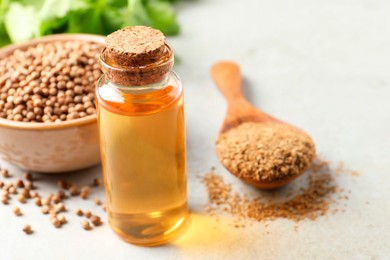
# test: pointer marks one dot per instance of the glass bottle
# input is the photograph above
(142, 141)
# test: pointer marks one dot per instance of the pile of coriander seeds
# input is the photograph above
(49, 82)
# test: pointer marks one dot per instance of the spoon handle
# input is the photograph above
(226, 75)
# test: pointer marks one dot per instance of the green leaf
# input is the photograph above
(4, 4)
(53, 9)
(37, 4)
(54, 25)
(136, 14)
(79, 5)
(117, 3)
(163, 16)
(112, 19)
(21, 22)
(4, 39)
(85, 21)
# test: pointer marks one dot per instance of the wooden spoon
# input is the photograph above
(227, 77)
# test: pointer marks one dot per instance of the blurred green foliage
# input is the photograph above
(21, 20)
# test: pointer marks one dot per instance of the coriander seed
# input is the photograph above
(45, 209)
(78, 212)
(98, 202)
(29, 185)
(56, 198)
(56, 223)
(34, 194)
(73, 190)
(5, 173)
(62, 184)
(19, 183)
(13, 190)
(4, 200)
(62, 219)
(95, 220)
(38, 201)
(85, 192)
(85, 224)
(87, 213)
(28, 176)
(21, 198)
(60, 207)
(27, 229)
(96, 182)
(16, 211)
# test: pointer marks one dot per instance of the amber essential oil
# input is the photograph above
(144, 162)
(142, 142)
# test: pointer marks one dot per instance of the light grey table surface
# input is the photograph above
(321, 65)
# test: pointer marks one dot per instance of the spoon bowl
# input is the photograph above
(254, 146)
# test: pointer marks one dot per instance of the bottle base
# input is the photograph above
(149, 230)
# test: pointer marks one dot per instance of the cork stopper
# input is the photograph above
(135, 46)
(136, 56)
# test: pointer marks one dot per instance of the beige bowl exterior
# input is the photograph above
(50, 147)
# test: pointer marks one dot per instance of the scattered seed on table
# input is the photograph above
(4, 200)
(16, 211)
(34, 194)
(19, 183)
(84, 192)
(60, 207)
(73, 190)
(29, 185)
(56, 198)
(45, 209)
(5, 173)
(62, 219)
(26, 193)
(95, 220)
(62, 184)
(8, 186)
(85, 224)
(98, 202)
(47, 200)
(79, 212)
(21, 198)
(54, 220)
(84, 195)
(96, 182)
(27, 229)
(28, 176)
(87, 214)
(38, 201)
(61, 194)
(13, 190)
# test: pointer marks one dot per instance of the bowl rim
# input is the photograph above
(5, 51)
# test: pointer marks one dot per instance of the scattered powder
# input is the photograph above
(309, 202)
(342, 170)
(265, 152)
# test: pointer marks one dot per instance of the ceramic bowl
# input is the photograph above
(50, 147)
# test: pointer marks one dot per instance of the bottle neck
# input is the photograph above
(142, 89)
(149, 74)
